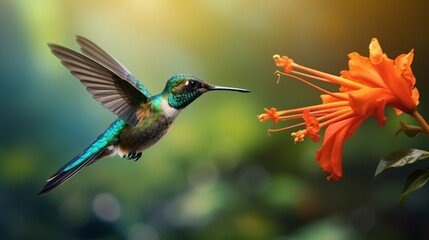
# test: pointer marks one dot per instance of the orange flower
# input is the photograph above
(365, 90)
(270, 114)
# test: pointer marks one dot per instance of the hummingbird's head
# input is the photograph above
(182, 89)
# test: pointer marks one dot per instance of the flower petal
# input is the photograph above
(371, 102)
(362, 70)
(397, 76)
(329, 156)
(403, 64)
(375, 52)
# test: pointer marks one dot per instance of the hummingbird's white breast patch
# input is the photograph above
(169, 111)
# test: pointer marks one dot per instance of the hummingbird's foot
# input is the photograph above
(133, 155)
(137, 157)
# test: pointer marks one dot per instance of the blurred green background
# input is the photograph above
(217, 174)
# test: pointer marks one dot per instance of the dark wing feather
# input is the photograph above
(98, 54)
(115, 93)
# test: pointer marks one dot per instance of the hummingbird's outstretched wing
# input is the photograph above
(120, 95)
(98, 54)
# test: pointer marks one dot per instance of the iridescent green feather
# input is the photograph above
(104, 140)
(180, 101)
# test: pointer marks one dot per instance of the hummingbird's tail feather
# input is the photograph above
(65, 173)
(101, 147)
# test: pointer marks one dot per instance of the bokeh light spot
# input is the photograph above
(141, 231)
(106, 207)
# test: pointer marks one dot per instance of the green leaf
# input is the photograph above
(409, 130)
(417, 179)
(400, 159)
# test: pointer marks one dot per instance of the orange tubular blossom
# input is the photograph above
(370, 84)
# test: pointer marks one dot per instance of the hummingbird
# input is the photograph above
(142, 118)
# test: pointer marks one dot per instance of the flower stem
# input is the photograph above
(422, 122)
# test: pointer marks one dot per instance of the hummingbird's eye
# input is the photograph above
(192, 83)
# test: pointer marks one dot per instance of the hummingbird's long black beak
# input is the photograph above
(212, 88)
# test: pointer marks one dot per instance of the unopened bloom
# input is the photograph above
(370, 84)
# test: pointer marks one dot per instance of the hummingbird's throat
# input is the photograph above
(179, 101)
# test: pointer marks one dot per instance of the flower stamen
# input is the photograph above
(312, 85)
